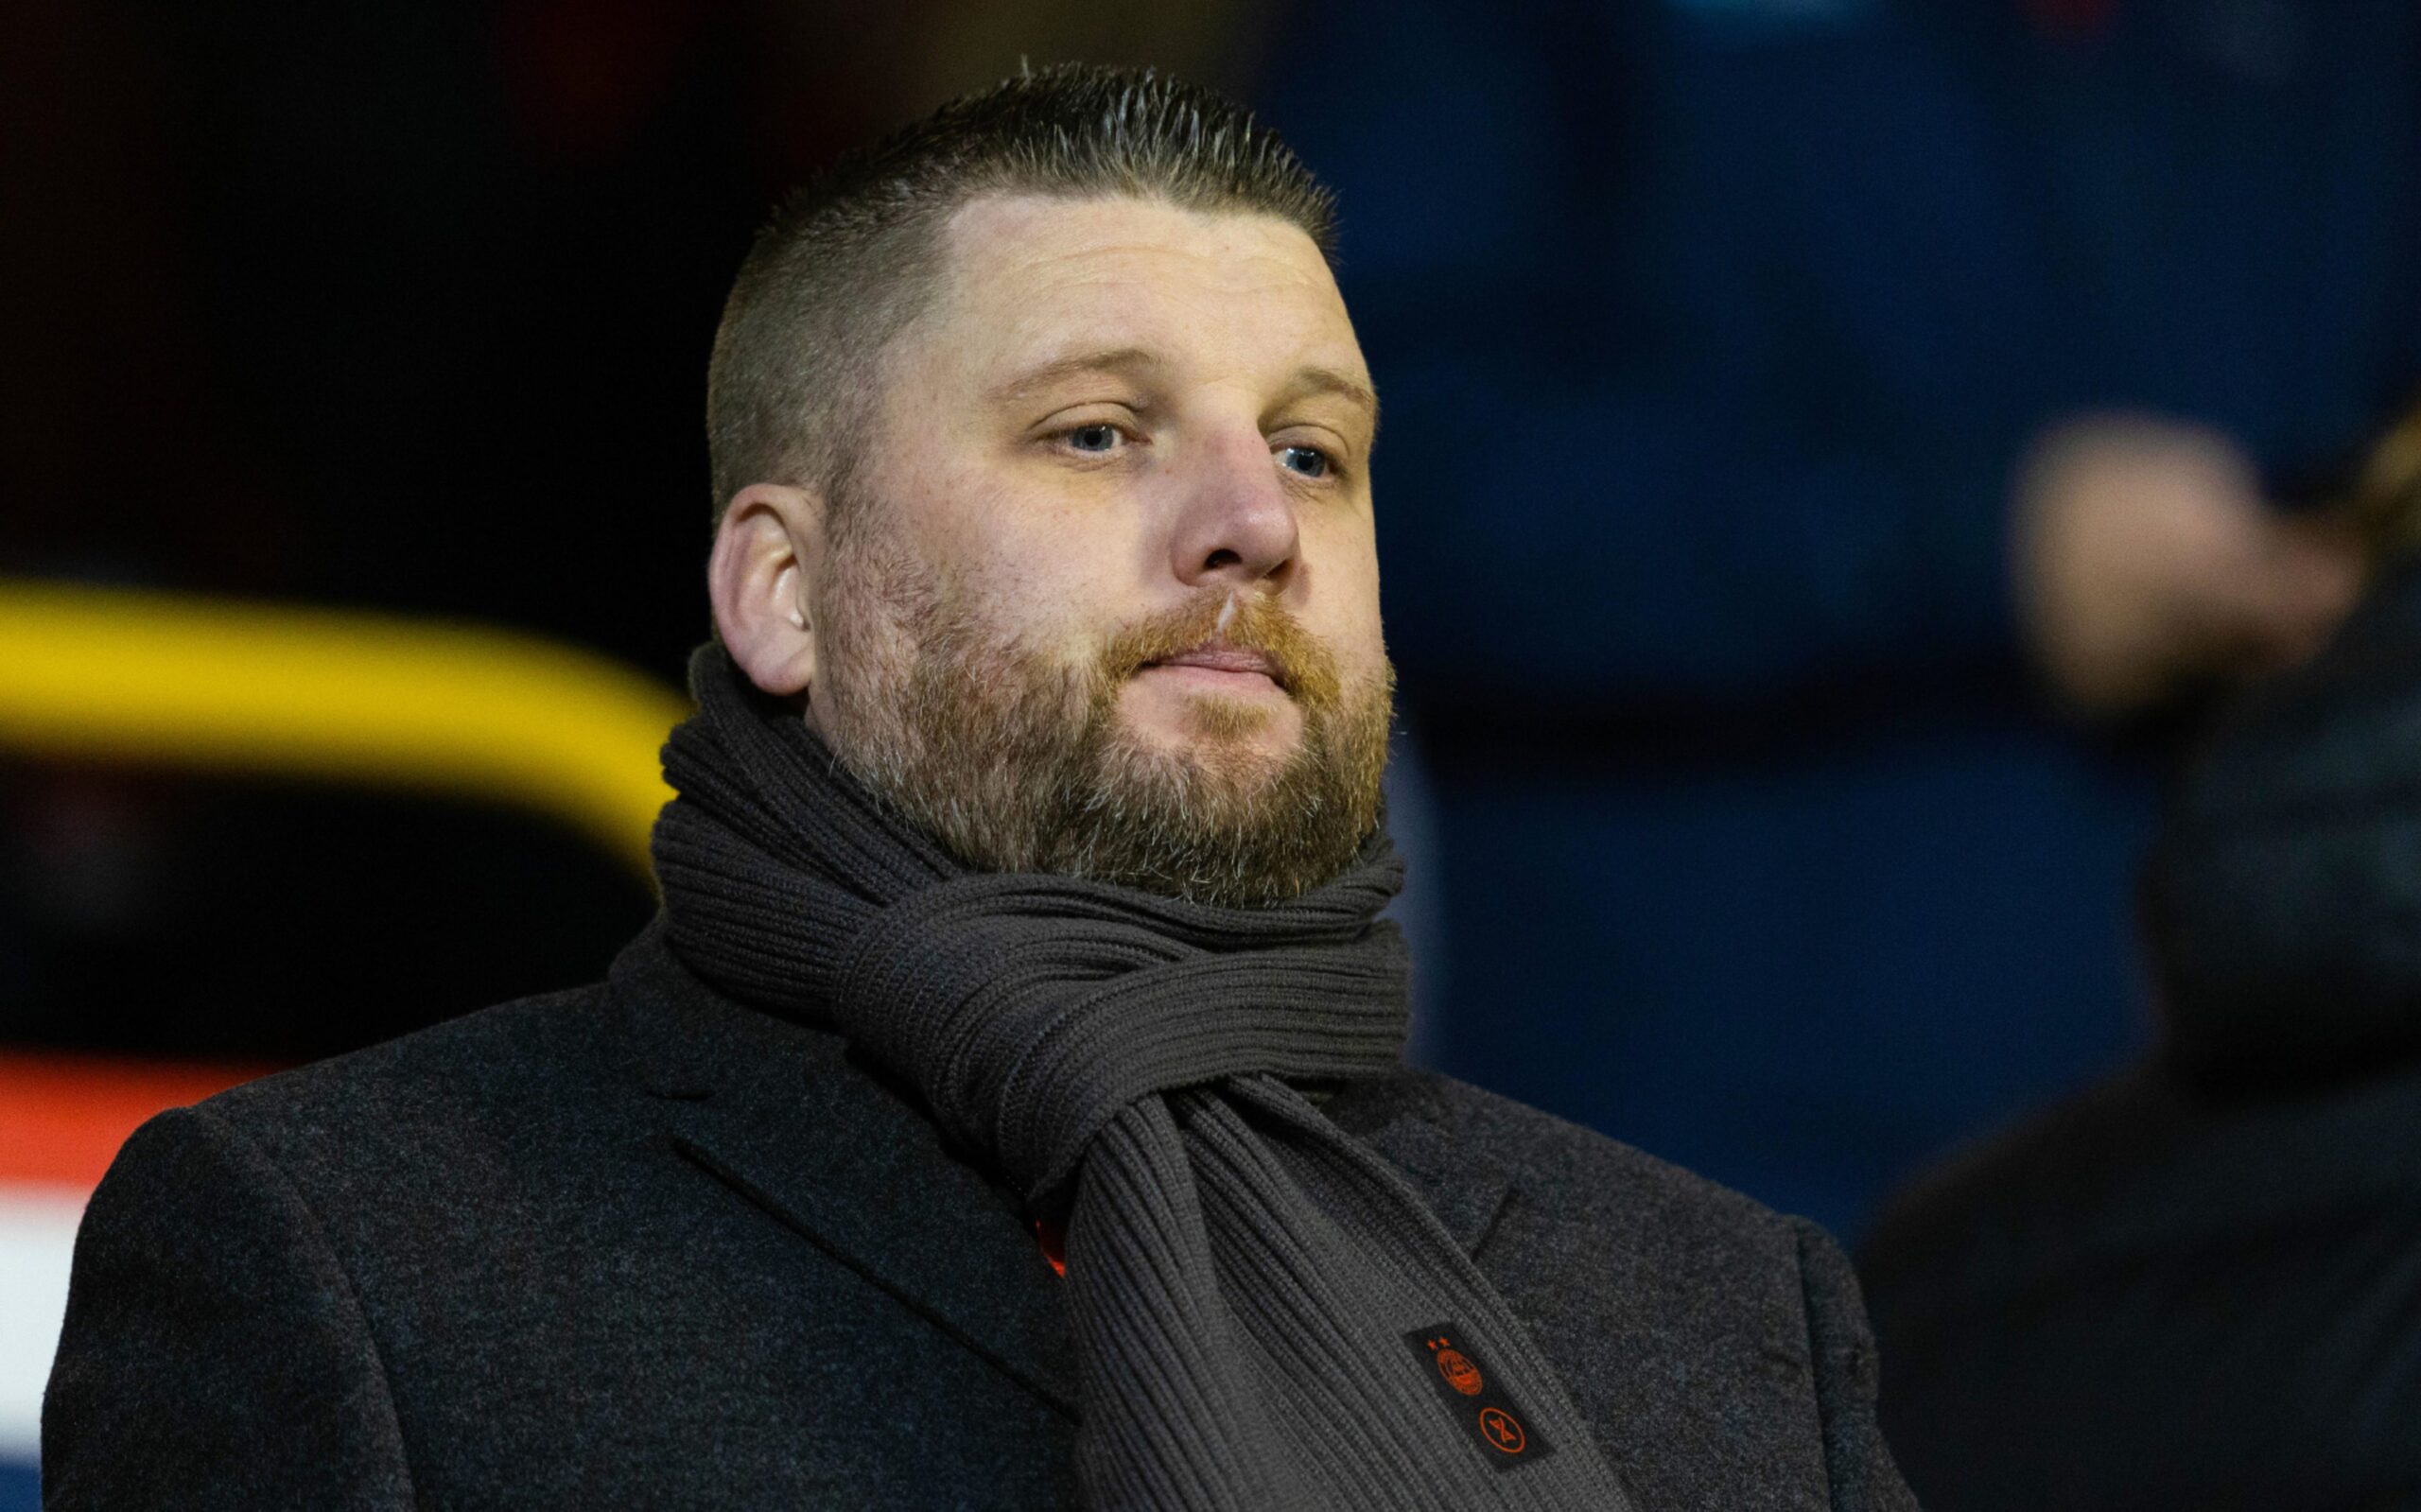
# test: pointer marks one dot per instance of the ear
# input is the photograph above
(768, 546)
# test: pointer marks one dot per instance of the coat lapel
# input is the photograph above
(1405, 1121)
(786, 1118)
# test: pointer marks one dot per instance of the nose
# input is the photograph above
(1236, 527)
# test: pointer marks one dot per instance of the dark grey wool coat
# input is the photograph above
(636, 1245)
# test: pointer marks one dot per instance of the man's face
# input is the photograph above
(1102, 593)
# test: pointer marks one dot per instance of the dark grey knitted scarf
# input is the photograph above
(1266, 1316)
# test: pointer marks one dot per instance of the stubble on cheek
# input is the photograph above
(941, 712)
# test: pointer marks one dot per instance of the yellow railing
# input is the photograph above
(112, 674)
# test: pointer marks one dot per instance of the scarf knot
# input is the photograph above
(1030, 1009)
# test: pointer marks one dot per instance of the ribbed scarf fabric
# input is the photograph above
(1266, 1316)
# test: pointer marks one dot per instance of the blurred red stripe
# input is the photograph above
(63, 1117)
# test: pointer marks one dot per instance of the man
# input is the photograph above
(1019, 918)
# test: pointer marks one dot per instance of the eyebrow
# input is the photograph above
(1123, 359)
(1344, 385)
(1132, 360)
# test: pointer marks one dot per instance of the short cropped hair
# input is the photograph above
(848, 260)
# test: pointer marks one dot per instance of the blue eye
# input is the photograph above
(1096, 437)
(1306, 461)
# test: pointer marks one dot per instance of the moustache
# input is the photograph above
(1299, 663)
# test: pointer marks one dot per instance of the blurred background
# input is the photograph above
(1837, 453)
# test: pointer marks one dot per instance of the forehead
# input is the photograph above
(1026, 276)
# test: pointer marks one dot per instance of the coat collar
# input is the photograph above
(787, 1118)
(783, 1116)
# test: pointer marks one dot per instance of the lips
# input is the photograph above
(1217, 658)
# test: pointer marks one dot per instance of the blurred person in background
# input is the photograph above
(1020, 917)
(2199, 1284)
(1821, 433)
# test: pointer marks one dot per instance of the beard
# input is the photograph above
(1019, 761)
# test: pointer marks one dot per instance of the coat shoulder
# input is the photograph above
(477, 1053)
(485, 1082)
